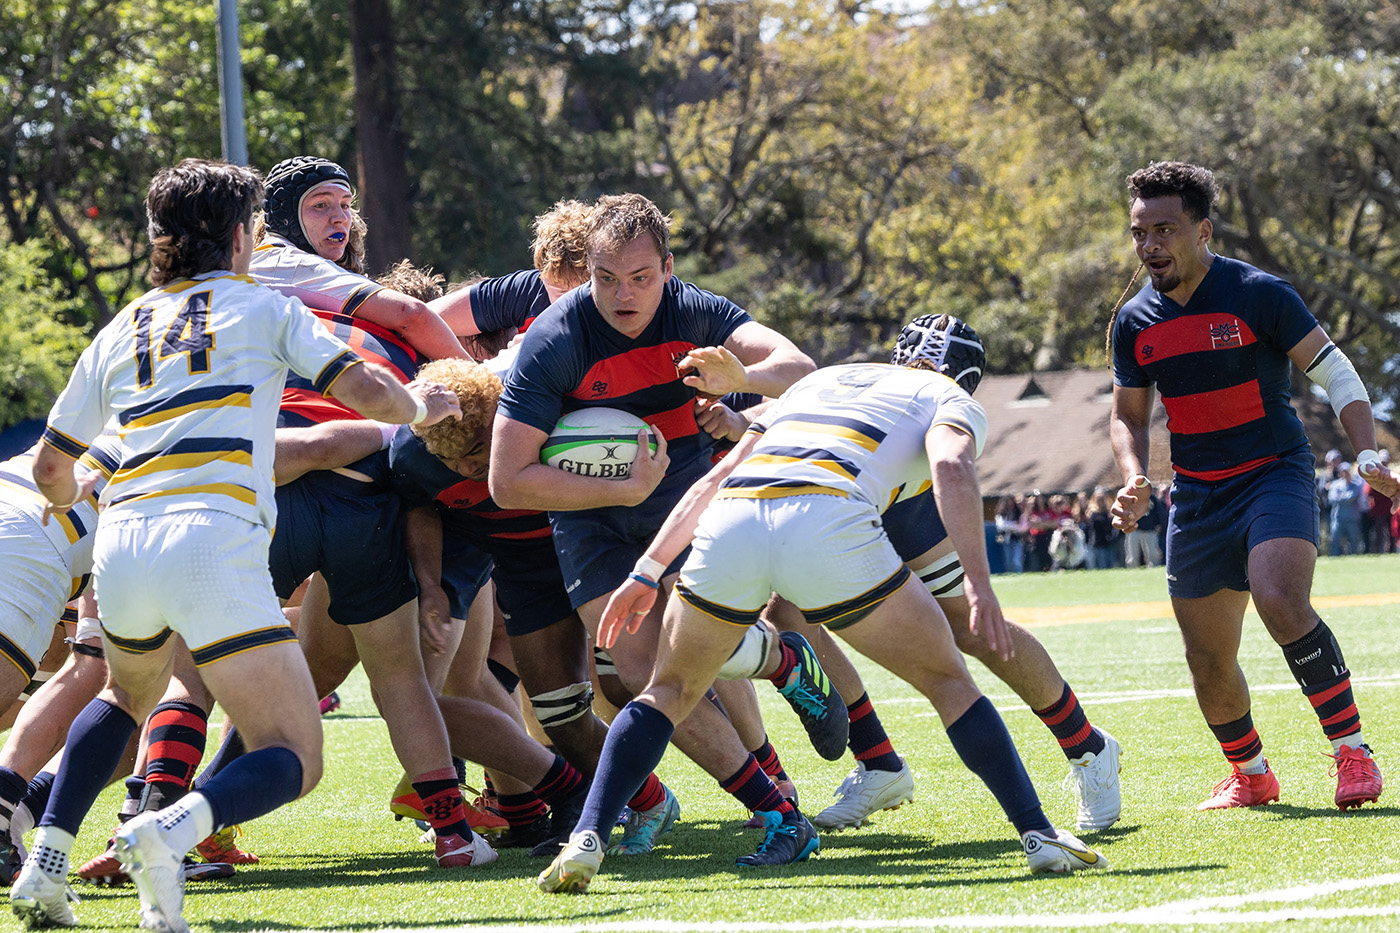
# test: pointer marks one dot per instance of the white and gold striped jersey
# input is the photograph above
(193, 372)
(320, 284)
(69, 531)
(855, 431)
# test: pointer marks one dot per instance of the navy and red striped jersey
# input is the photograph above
(513, 300)
(465, 505)
(1221, 366)
(572, 358)
(303, 404)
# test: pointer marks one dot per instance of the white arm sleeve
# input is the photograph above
(1333, 371)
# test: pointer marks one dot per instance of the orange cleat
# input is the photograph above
(482, 819)
(1358, 777)
(222, 846)
(404, 804)
(1243, 790)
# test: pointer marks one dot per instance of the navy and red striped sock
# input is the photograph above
(520, 810)
(442, 802)
(652, 793)
(1241, 744)
(868, 740)
(755, 789)
(1317, 664)
(560, 782)
(1336, 710)
(787, 660)
(175, 745)
(768, 760)
(1066, 720)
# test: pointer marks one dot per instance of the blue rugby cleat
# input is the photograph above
(810, 693)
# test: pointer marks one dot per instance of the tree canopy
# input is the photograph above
(835, 167)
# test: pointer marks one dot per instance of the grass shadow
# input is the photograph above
(1289, 811)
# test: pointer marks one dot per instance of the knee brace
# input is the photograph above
(943, 576)
(747, 659)
(603, 662)
(557, 707)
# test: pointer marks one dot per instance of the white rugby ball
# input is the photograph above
(596, 442)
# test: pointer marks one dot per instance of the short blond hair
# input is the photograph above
(619, 219)
(561, 243)
(478, 389)
(405, 277)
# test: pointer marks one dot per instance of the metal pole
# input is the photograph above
(235, 135)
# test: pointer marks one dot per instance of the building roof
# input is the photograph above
(1048, 431)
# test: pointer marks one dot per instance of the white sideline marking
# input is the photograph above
(1215, 911)
(1010, 704)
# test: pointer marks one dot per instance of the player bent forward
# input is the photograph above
(795, 510)
(192, 372)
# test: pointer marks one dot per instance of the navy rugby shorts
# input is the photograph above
(1212, 527)
(914, 526)
(353, 533)
(598, 548)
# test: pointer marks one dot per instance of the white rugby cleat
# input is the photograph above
(39, 901)
(1095, 779)
(156, 869)
(865, 793)
(1059, 853)
(574, 867)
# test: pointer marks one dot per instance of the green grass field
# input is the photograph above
(336, 861)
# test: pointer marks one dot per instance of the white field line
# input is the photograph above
(1217, 911)
(1007, 704)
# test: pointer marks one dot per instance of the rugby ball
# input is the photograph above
(598, 442)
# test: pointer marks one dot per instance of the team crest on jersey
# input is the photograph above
(1225, 334)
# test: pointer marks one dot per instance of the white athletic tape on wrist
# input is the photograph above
(420, 411)
(1368, 457)
(648, 567)
(1333, 371)
(747, 660)
(386, 435)
(88, 627)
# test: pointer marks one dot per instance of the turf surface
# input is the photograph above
(337, 861)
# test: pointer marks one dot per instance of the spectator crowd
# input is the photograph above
(1039, 532)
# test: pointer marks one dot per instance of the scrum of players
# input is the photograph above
(497, 604)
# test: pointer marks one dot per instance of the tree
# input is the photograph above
(1300, 130)
(37, 346)
(379, 118)
(99, 95)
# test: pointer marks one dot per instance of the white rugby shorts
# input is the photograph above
(826, 554)
(34, 586)
(200, 573)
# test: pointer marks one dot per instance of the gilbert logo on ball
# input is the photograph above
(596, 442)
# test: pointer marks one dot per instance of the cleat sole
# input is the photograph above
(1356, 804)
